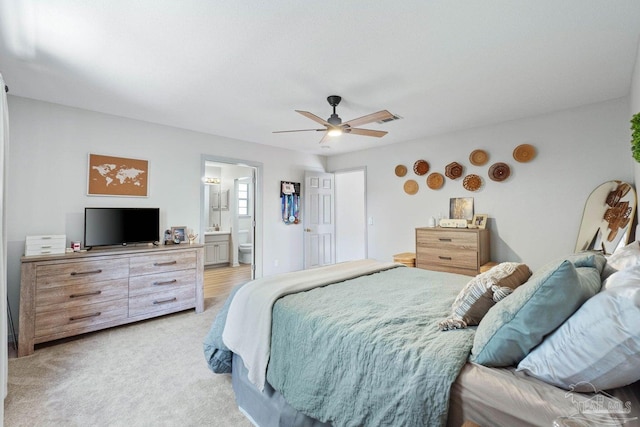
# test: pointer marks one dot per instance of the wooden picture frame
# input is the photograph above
(479, 221)
(180, 232)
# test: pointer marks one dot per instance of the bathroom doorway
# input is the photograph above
(230, 212)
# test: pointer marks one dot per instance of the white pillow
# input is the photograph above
(625, 257)
(598, 347)
(628, 276)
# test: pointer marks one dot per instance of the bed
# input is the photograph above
(371, 343)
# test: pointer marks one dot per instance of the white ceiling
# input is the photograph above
(239, 68)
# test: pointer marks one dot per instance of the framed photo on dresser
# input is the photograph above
(479, 221)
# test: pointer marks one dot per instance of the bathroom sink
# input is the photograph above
(208, 233)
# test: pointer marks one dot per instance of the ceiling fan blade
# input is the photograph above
(299, 130)
(367, 132)
(369, 118)
(325, 138)
(314, 117)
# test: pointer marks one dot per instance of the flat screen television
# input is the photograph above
(120, 226)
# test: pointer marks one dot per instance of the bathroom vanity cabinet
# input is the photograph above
(216, 249)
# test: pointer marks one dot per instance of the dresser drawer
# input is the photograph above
(80, 318)
(150, 283)
(73, 273)
(166, 301)
(446, 259)
(66, 297)
(447, 239)
(159, 263)
(460, 251)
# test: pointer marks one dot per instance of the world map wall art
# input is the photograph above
(117, 176)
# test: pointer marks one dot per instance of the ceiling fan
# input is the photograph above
(333, 126)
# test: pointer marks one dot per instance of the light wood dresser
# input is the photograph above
(70, 294)
(454, 250)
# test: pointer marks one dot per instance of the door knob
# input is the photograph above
(308, 230)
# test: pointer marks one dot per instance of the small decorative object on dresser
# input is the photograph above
(179, 234)
(454, 250)
(479, 221)
(461, 208)
(45, 245)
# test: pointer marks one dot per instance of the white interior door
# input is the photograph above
(318, 219)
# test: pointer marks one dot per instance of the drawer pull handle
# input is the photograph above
(160, 264)
(168, 282)
(163, 301)
(84, 273)
(442, 239)
(448, 258)
(45, 246)
(86, 316)
(86, 294)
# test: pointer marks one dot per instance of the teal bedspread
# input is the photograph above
(369, 351)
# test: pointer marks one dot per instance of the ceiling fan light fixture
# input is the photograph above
(334, 126)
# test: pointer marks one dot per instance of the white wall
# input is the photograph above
(634, 104)
(351, 227)
(48, 177)
(534, 216)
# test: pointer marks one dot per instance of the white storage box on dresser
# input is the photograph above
(44, 245)
(70, 294)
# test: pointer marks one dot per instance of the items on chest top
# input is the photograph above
(478, 221)
(453, 223)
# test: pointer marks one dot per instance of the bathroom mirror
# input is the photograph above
(219, 200)
(607, 218)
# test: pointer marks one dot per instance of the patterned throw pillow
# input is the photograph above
(482, 292)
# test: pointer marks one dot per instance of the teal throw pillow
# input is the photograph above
(515, 325)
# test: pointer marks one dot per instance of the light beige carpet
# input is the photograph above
(150, 373)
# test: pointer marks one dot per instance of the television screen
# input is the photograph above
(120, 226)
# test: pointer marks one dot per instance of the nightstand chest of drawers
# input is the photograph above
(71, 294)
(453, 250)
